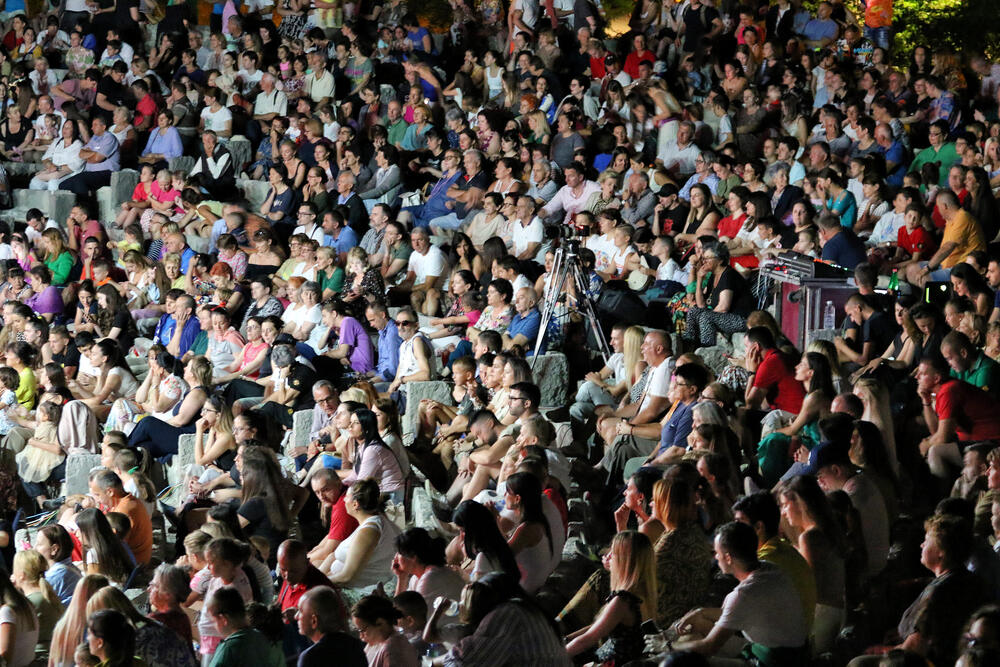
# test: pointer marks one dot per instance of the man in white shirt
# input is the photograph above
(571, 197)
(319, 84)
(270, 104)
(678, 156)
(42, 78)
(527, 231)
(249, 76)
(425, 272)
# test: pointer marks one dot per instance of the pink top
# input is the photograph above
(250, 354)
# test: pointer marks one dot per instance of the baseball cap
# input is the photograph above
(667, 190)
(825, 454)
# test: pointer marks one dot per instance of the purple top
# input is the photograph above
(47, 301)
(362, 352)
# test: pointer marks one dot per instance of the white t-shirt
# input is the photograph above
(425, 266)
(24, 643)
(302, 314)
(603, 248)
(522, 237)
(659, 382)
(216, 121)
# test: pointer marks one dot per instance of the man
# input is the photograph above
(760, 511)
(822, 30)
(380, 216)
(788, 148)
(288, 393)
(873, 328)
(262, 302)
(241, 644)
(101, 158)
(354, 348)
(639, 201)
(669, 214)
(685, 391)
(523, 329)
(425, 272)
(389, 342)
(336, 234)
(678, 155)
(940, 150)
(178, 328)
(395, 124)
(465, 194)
(175, 244)
(322, 431)
(572, 197)
(297, 574)
(145, 106)
(348, 198)
(835, 472)
(214, 171)
(249, 77)
(840, 245)
(527, 231)
(894, 154)
(320, 84)
(773, 378)
(332, 494)
(963, 235)
(993, 277)
(416, 362)
(700, 24)
(270, 103)
(78, 94)
(508, 268)
(956, 413)
(764, 606)
(111, 92)
(321, 620)
(970, 364)
(107, 487)
(438, 203)
(656, 351)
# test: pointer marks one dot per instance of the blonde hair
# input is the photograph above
(201, 369)
(68, 632)
(632, 348)
(634, 569)
(541, 123)
(356, 394)
(58, 241)
(356, 253)
(32, 565)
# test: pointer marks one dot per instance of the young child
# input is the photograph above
(8, 398)
(913, 241)
(113, 442)
(132, 241)
(121, 525)
(131, 210)
(135, 482)
(413, 608)
(225, 558)
(84, 658)
(164, 197)
(43, 454)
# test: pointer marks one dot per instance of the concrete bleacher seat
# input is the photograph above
(56, 205)
(551, 374)
(416, 391)
(110, 197)
(254, 191)
(301, 423)
(78, 467)
(183, 163)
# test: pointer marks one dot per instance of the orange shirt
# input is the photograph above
(140, 536)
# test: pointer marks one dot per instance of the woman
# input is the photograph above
(265, 508)
(967, 282)
(19, 626)
(105, 552)
(722, 306)
(835, 198)
(265, 258)
(114, 320)
(169, 589)
(214, 444)
(483, 545)
(682, 553)
(415, 138)
(419, 565)
(293, 15)
(225, 344)
(385, 185)
(164, 142)
(251, 356)
(70, 629)
(814, 372)
(616, 631)
(282, 200)
(531, 538)
(16, 135)
(121, 129)
(111, 638)
(61, 159)
(498, 313)
(983, 205)
(315, 190)
(373, 459)
(56, 256)
(159, 436)
(375, 618)
(55, 545)
(389, 428)
(874, 204)
(822, 543)
(29, 568)
(45, 299)
(749, 125)
(363, 284)
(159, 392)
(901, 357)
(702, 219)
(115, 379)
(364, 559)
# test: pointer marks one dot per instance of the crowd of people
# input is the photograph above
(714, 490)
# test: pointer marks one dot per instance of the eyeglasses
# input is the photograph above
(328, 399)
(403, 323)
(518, 398)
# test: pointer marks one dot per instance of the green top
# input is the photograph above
(335, 281)
(396, 131)
(200, 344)
(247, 647)
(946, 155)
(984, 373)
(60, 267)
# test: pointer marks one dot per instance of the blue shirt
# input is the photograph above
(712, 182)
(675, 432)
(389, 343)
(106, 145)
(346, 240)
(897, 154)
(526, 325)
(186, 256)
(845, 249)
(63, 577)
(168, 145)
(165, 331)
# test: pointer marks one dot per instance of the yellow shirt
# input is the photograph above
(966, 232)
(26, 390)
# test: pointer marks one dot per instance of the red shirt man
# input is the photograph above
(973, 411)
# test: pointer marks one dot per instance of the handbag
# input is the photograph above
(415, 198)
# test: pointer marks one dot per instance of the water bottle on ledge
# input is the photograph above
(829, 315)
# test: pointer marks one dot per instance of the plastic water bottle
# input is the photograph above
(829, 315)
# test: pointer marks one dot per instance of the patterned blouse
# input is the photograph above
(496, 320)
(683, 571)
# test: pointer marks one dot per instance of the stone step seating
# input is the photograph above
(55, 205)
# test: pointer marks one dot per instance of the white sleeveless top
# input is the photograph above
(378, 569)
